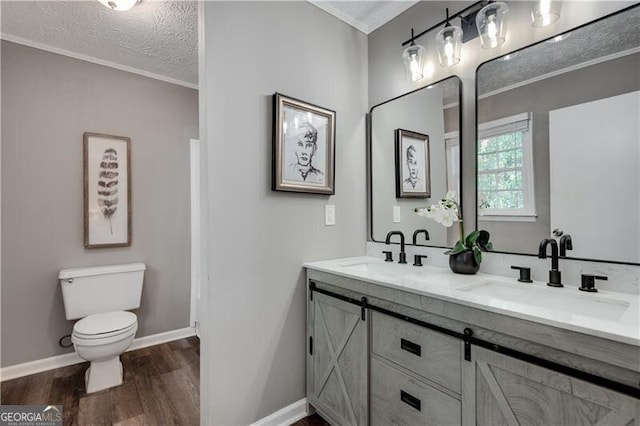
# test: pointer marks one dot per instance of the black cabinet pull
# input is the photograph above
(411, 347)
(410, 400)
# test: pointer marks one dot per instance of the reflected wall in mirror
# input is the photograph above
(432, 111)
(558, 150)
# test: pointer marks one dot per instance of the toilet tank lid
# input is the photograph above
(100, 270)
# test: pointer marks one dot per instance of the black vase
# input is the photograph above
(463, 263)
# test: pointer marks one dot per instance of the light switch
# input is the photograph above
(396, 214)
(329, 215)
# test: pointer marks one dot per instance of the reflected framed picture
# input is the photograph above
(303, 147)
(413, 171)
(107, 190)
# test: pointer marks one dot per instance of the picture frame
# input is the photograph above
(303, 147)
(413, 169)
(107, 190)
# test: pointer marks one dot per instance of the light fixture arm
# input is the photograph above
(470, 12)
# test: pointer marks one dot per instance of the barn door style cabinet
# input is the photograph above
(380, 356)
(507, 391)
(337, 361)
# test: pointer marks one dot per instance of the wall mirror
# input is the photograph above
(414, 159)
(558, 149)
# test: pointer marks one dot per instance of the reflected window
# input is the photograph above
(505, 168)
(452, 153)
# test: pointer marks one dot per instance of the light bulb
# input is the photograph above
(413, 59)
(448, 51)
(545, 8)
(492, 30)
(545, 12)
(491, 22)
(119, 5)
(416, 73)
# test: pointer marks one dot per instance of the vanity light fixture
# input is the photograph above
(491, 21)
(413, 59)
(119, 5)
(487, 19)
(449, 42)
(545, 12)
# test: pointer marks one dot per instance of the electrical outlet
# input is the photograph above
(396, 214)
(329, 215)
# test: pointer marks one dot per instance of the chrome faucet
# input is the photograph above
(418, 232)
(403, 255)
(555, 276)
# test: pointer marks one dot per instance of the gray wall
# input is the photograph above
(254, 353)
(386, 75)
(587, 84)
(48, 101)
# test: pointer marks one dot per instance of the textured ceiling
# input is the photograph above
(158, 37)
(618, 33)
(364, 15)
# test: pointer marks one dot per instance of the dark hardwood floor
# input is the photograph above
(161, 387)
(312, 420)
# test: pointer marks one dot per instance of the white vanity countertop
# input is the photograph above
(614, 316)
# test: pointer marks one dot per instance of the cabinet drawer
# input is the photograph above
(397, 399)
(427, 353)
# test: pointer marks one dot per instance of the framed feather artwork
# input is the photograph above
(107, 191)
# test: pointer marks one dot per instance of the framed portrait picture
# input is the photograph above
(413, 171)
(107, 191)
(303, 146)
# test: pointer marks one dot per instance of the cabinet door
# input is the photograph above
(337, 368)
(500, 390)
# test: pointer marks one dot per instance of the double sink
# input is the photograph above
(605, 312)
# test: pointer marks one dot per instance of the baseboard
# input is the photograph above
(284, 417)
(38, 366)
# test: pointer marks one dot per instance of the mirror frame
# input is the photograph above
(586, 24)
(369, 141)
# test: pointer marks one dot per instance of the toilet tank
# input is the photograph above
(94, 290)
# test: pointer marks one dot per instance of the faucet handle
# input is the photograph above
(388, 256)
(417, 259)
(525, 274)
(589, 282)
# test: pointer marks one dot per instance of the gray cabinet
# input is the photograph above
(415, 374)
(405, 365)
(500, 390)
(398, 398)
(337, 365)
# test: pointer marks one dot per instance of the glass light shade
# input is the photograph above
(413, 60)
(120, 5)
(545, 12)
(449, 42)
(491, 21)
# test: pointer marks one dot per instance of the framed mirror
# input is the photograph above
(558, 148)
(414, 159)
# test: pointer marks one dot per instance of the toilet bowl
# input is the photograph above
(100, 298)
(100, 339)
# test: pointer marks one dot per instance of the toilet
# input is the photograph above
(100, 297)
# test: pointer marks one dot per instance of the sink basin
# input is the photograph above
(386, 269)
(562, 300)
(392, 270)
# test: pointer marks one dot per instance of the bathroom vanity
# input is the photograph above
(397, 344)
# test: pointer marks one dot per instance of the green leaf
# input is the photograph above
(458, 248)
(477, 254)
(471, 238)
(483, 240)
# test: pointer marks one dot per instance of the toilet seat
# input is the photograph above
(108, 326)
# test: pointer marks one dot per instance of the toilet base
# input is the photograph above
(103, 375)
